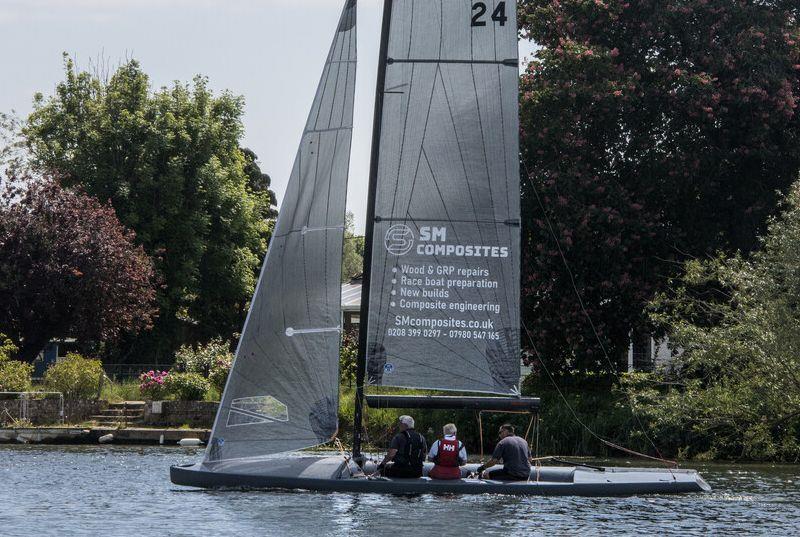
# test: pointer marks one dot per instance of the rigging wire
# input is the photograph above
(610, 362)
(580, 422)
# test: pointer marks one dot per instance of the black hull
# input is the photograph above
(553, 481)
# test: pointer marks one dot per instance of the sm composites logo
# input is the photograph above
(399, 239)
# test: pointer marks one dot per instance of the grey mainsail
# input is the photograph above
(444, 289)
(283, 390)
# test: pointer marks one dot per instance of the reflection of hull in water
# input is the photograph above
(333, 474)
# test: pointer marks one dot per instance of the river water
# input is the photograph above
(124, 491)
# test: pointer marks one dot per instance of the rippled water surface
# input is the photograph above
(119, 491)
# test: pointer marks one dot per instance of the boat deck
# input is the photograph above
(334, 474)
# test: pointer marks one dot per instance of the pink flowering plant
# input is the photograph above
(152, 384)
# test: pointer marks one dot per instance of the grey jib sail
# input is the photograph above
(283, 390)
(444, 293)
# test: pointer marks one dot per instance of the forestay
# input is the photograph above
(283, 392)
(444, 293)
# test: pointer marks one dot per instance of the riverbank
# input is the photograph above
(601, 408)
(81, 435)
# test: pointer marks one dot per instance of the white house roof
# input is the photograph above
(351, 295)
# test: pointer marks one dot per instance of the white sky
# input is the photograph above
(270, 51)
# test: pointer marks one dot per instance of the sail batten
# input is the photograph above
(444, 282)
(282, 392)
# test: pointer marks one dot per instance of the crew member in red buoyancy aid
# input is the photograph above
(448, 454)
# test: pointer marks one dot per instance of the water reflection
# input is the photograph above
(117, 491)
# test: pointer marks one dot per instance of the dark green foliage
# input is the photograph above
(171, 164)
(652, 131)
(735, 389)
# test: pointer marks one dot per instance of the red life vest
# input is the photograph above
(446, 466)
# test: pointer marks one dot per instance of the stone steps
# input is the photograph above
(129, 413)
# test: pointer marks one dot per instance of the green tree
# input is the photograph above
(735, 389)
(171, 164)
(257, 180)
(652, 131)
(353, 253)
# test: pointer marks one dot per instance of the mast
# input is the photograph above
(361, 365)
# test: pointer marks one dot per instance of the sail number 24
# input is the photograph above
(479, 13)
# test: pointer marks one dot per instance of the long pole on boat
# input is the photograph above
(361, 366)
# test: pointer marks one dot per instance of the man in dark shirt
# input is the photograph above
(406, 453)
(514, 453)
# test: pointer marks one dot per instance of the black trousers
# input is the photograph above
(503, 475)
(394, 470)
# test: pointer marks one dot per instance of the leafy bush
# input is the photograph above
(15, 376)
(219, 371)
(75, 376)
(212, 361)
(7, 348)
(152, 384)
(186, 386)
(348, 353)
(203, 358)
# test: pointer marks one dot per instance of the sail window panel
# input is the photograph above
(455, 147)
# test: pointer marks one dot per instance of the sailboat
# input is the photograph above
(441, 282)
